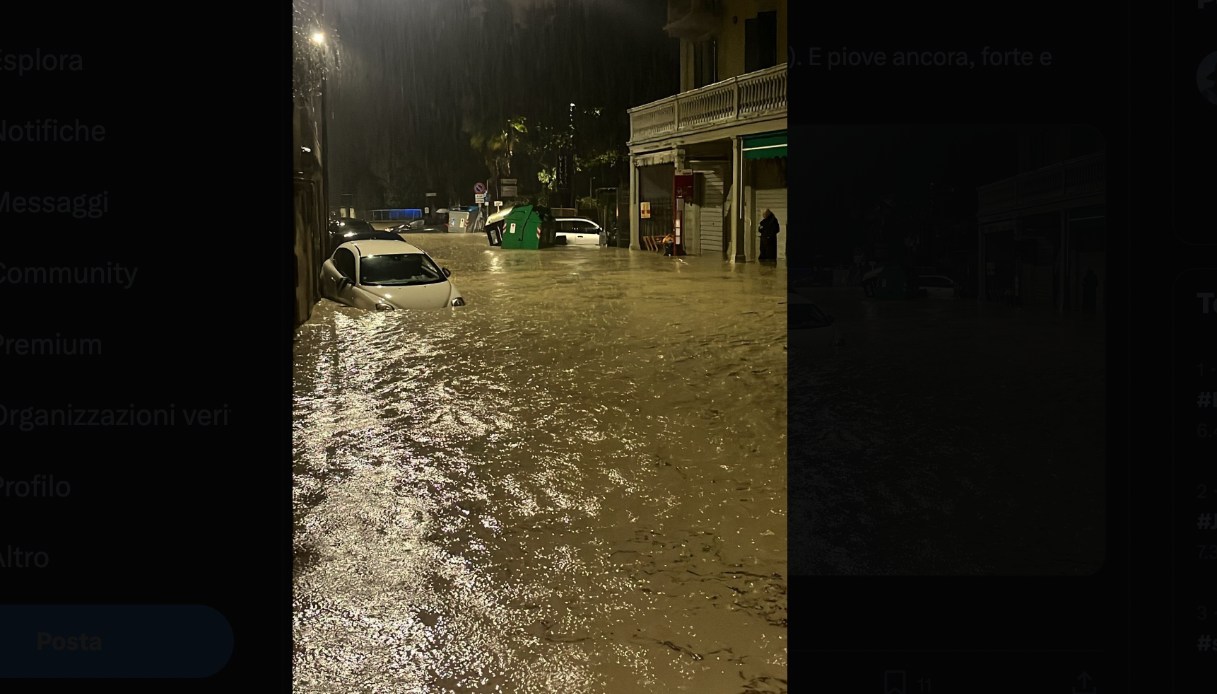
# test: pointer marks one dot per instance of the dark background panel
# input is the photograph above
(196, 135)
(1193, 140)
(850, 626)
(1193, 508)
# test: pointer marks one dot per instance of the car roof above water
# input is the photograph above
(373, 235)
(378, 247)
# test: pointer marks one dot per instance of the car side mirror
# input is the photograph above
(344, 282)
(447, 272)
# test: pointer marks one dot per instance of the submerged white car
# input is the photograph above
(579, 231)
(387, 275)
(938, 286)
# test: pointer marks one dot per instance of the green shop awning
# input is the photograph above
(765, 146)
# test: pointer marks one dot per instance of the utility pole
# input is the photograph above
(568, 178)
(325, 145)
(325, 119)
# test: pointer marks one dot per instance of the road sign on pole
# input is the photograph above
(479, 198)
(479, 188)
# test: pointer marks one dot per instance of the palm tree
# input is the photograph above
(497, 143)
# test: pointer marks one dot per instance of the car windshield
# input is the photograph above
(399, 269)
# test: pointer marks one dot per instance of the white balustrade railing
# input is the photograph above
(754, 95)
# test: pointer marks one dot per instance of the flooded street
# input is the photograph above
(575, 483)
(943, 437)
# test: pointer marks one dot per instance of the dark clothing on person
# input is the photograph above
(769, 229)
(1089, 291)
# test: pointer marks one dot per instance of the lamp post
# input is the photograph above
(318, 38)
(568, 162)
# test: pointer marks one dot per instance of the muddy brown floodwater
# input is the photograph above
(575, 483)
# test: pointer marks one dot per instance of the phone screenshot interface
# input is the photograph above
(144, 494)
(959, 475)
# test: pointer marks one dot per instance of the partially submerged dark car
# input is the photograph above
(420, 226)
(345, 229)
(373, 235)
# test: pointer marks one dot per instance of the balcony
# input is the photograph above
(1075, 181)
(754, 96)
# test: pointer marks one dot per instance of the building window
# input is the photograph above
(705, 63)
(761, 41)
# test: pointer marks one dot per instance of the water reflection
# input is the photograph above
(575, 483)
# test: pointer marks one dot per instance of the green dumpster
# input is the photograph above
(528, 226)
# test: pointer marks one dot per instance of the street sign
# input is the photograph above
(479, 198)
(498, 203)
(479, 188)
(508, 187)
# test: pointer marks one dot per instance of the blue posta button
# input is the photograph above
(63, 641)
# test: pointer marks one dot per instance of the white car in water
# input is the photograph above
(938, 286)
(387, 275)
(578, 231)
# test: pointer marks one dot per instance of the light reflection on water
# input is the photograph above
(575, 483)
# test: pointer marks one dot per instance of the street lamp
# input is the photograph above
(318, 39)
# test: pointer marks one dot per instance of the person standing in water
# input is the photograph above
(769, 229)
(1090, 291)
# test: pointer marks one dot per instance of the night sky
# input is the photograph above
(418, 79)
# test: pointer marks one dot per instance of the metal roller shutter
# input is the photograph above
(711, 216)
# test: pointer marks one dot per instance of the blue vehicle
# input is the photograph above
(397, 215)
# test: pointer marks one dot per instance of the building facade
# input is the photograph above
(710, 160)
(310, 199)
(1042, 233)
(308, 202)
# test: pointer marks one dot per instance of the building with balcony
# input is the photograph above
(1042, 233)
(726, 129)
